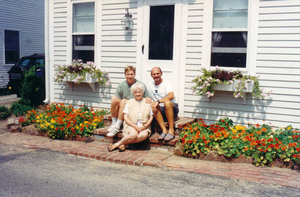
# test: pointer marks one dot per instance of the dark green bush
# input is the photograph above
(21, 107)
(33, 88)
(4, 112)
(4, 91)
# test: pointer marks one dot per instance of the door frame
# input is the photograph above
(180, 52)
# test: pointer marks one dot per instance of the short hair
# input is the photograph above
(128, 68)
(136, 86)
(158, 68)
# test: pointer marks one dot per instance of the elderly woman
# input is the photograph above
(138, 116)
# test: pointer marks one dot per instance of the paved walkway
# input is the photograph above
(157, 158)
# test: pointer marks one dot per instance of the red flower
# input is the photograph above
(264, 144)
(21, 120)
(276, 139)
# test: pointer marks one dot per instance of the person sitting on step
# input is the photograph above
(164, 106)
(138, 116)
(118, 101)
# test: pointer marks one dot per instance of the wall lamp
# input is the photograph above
(127, 22)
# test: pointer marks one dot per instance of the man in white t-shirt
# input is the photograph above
(164, 105)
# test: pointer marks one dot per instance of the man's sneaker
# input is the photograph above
(113, 132)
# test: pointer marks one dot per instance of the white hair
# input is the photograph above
(136, 86)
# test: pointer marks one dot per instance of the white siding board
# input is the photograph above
(274, 30)
(281, 50)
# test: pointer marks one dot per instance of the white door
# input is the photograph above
(161, 40)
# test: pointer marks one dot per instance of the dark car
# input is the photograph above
(16, 73)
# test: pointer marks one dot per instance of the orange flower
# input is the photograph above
(258, 132)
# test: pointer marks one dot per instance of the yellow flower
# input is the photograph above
(52, 126)
(288, 128)
(52, 121)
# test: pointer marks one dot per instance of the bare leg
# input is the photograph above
(121, 109)
(159, 118)
(132, 137)
(114, 108)
(170, 116)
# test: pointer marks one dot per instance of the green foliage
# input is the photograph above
(21, 107)
(261, 142)
(4, 112)
(206, 82)
(78, 71)
(33, 88)
(4, 91)
(61, 121)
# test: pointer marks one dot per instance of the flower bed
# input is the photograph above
(61, 122)
(262, 143)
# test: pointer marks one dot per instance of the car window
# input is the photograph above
(24, 62)
(39, 61)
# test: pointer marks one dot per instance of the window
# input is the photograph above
(12, 46)
(83, 31)
(229, 33)
(161, 32)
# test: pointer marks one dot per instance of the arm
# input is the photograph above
(148, 123)
(130, 123)
(169, 97)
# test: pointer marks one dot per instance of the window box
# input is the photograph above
(233, 87)
(88, 79)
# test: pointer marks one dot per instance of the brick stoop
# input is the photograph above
(180, 123)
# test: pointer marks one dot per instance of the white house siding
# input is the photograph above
(117, 50)
(277, 64)
(27, 17)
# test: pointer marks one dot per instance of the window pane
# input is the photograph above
(229, 49)
(229, 39)
(83, 47)
(83, 17)
(230, 14)
(12, 48)
(161, 32)
(228, 59)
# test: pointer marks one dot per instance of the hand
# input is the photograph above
(138, 129)
(148, 100)
(114, 100)
(154, 106)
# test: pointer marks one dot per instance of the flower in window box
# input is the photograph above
(206, 83)
(80, 72)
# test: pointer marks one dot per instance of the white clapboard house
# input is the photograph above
(22, 32)
(182, 36)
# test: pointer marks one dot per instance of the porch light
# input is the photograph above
(127, 22)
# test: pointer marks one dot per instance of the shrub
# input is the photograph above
(33, 87)
(4, 91)
(21, 107)
(4, 112)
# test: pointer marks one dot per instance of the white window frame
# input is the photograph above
(70, 46)
(253, 6)
(3, 38)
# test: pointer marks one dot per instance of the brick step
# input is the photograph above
(180, 123)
